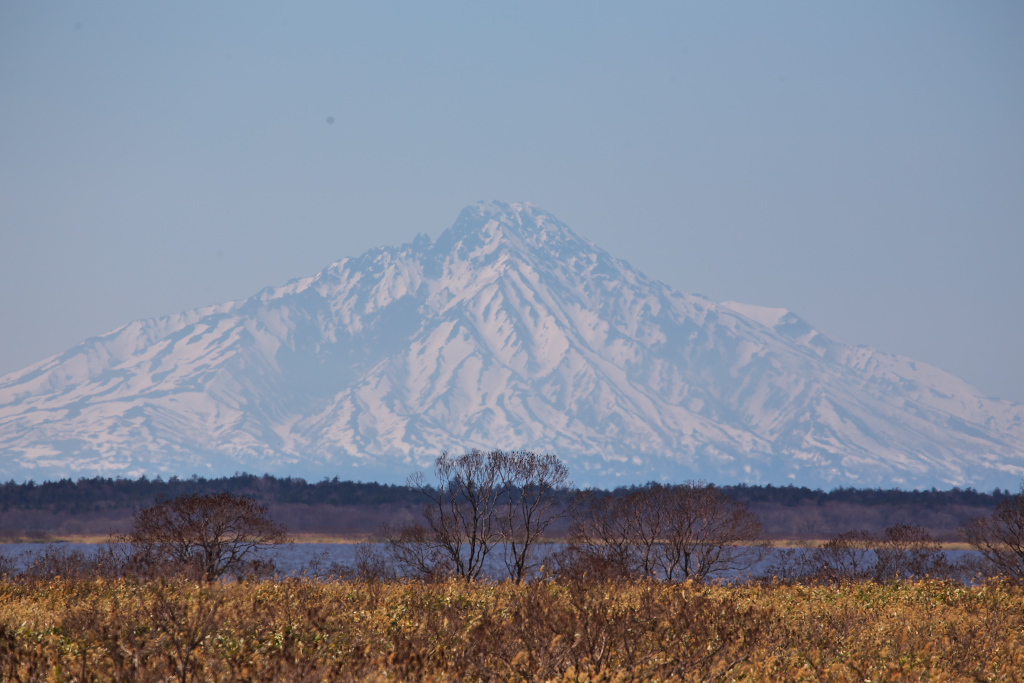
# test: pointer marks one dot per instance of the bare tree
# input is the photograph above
(601, 540)
(616, 536)
(531, 505)
(462, 512)
(477, 502)
(215, 534)
(706, 532)
(671, 532)
(1000, 536)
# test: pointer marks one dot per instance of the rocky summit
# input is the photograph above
(509, 331)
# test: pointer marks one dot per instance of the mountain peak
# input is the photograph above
(509, 214)
(523, 224)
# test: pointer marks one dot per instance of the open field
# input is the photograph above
(304, 630)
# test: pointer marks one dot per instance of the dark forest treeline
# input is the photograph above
(100, 493)
(801, 495)
(97, 494)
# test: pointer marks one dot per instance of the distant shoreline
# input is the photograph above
(327, 539)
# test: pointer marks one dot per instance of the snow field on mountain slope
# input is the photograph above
(517, 333)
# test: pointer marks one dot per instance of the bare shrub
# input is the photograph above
(1000, 537)
(321, 568)
(8, 565)
(672, 532)
(371, 564)
(415, 551)
(790, 565)
(909, 552)
(211, 535)
(55, 561)
(577, 563)
(844, 558)
(903, 552)
(58, 561)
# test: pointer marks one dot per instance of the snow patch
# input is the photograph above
(769, 317)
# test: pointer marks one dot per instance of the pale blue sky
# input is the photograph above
(861, 164)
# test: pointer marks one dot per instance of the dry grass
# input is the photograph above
(303, 630)
(105, 538)
(330, 538)
(58, 538)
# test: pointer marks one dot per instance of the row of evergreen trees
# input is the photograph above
(100, 493)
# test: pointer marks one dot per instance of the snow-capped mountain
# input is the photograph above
(510, 331)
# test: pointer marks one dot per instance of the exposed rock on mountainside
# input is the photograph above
(510, 331)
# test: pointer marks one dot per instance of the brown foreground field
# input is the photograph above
(308, 630)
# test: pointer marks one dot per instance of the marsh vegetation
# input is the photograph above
(89, 629)
(639, 590)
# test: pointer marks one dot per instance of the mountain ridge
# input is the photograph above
(508, 331)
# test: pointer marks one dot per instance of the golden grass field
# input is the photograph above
(305, 630)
